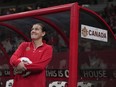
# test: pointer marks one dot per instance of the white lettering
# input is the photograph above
(67, 73)
(51, 73)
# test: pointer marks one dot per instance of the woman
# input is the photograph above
(38, 53)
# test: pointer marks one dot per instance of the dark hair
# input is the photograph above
(42, 25)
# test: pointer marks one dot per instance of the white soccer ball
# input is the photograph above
(26, 60)
(57, 84)
(85, 84)
(9, 83)
(63, 84)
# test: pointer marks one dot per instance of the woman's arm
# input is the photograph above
(41, 64)
(17, 54)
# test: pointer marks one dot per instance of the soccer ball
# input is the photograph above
(85, 84)
(64, 84)
(26, 60)
(57, 84)
(9, 83)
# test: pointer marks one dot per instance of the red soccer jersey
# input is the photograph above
(40, 58)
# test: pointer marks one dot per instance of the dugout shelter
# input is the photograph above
(84, 45)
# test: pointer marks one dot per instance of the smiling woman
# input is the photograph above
(38, 31)
(36, 51)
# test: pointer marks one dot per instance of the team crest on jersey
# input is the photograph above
(28, 48)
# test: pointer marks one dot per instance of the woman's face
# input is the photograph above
(36, 32)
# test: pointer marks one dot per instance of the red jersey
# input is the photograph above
(40, 58)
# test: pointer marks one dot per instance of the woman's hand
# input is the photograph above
(21, 67)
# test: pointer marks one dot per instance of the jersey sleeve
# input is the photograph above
(17, 54)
